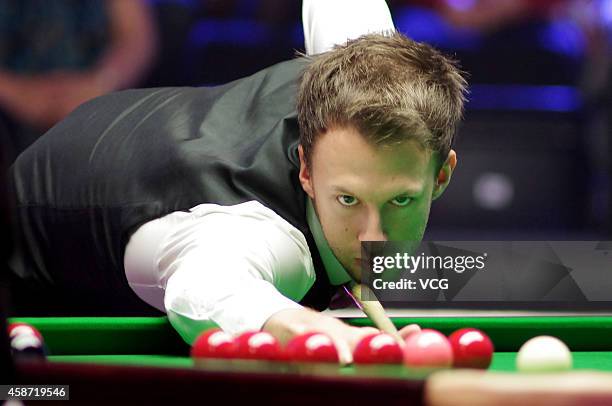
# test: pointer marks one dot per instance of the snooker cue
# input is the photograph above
(479, 388)
(375, 312)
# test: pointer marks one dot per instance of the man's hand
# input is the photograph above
(32, 99)
(43, 100)
(286, 324)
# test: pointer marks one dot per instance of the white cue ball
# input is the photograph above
(544, 354)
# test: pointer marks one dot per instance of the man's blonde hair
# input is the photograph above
(388, 87)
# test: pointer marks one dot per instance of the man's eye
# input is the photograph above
(347, 200)
(401, 201)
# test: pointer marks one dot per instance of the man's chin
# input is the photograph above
(355, 270)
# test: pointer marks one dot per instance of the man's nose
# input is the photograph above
(372, 229)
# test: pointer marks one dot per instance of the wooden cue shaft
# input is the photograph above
(375, 312)
(483, 388)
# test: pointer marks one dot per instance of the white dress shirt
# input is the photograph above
(238, 265)
(331, 22)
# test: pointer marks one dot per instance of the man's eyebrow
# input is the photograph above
(414, 190)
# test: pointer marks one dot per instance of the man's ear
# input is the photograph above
(305, 175)
(444, 175)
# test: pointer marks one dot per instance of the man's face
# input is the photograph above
(367, 193)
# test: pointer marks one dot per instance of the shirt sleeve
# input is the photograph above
(232, 265)
(333, 22)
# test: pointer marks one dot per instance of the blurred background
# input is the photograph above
(535, 149)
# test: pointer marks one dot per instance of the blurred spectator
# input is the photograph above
(595, 19)
(269, 11)
(55, 55)
(7, 369)
(487, 15)
(280, 11)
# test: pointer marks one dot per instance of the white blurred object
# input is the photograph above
(493, 191)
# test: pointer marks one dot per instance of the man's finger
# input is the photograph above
(409, 330)
(345, 355)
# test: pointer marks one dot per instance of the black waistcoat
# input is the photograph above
(126, 158)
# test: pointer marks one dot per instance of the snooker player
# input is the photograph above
(246, 203)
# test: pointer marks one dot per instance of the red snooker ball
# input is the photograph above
(378, 348)
(214, 343)
(428, 349)
(258, 345)
(471, 348)
(311, 347)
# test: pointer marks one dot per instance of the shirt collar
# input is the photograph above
(335, 271)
